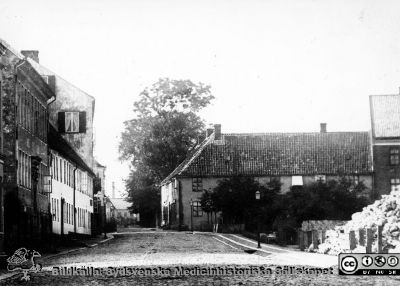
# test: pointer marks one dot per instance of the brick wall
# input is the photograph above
(382, 168)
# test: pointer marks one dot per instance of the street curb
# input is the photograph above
(11, 275)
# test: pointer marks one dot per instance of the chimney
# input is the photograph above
(217, 132)
(113, 190)
(34, 55)
(323, 127)
(209, 131)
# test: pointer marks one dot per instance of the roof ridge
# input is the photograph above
(189, 158)
(294, 133)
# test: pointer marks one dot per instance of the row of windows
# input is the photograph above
(63, 172)
(32, 115)
(83, 216)
(124, 214)
(197, 183)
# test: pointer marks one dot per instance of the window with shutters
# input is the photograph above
(71, 122)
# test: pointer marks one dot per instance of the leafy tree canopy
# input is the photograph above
(164, 129)
(333, 200)
(168, 95)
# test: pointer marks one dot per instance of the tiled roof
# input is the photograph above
(385, 115)
(189, 158)
(280, 154)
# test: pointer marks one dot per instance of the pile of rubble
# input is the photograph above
(384, 212)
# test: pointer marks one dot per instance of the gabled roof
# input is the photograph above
(189, 158)
(385, 116)
(276, 154)
(59, 144)
(45, 71)
(120, 203)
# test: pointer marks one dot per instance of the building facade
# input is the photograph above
(72, 189)
(71, 117)
(26, 183)
(385, 123)
(294, 159)
(121, 212)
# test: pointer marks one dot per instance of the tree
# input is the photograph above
(333, 200)
(235, 198)
(158, 138)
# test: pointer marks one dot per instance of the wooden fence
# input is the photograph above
(363, 240)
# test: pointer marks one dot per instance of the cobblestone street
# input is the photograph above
(169, 250)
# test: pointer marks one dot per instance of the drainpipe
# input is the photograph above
(76, 168)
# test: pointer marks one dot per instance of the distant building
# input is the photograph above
(99, 199)
(110, 210)
(385, 122)
(293, 159)
(122, 214)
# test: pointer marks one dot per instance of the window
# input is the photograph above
(320, 178)
(71, 121)
(297, 180)
(57, 168)
(394, 156)
(196, 209)
(57, 211)
(395, 184)
(24, 169)
(354, 180)
(197, 185)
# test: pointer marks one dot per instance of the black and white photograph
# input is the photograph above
(225, 142)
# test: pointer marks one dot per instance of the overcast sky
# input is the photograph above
(273, 65)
